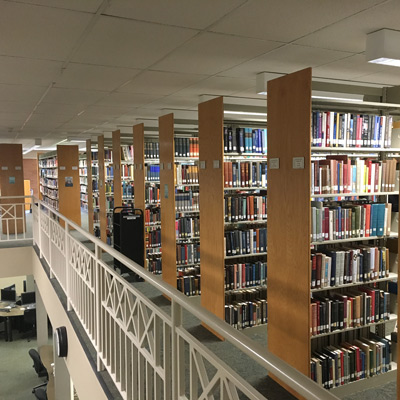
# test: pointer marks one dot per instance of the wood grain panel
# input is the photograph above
(89, 184)
(167, 194)
(289, 124)
(138, 157)
(12, 182)
(69, 196)
(211, 126)
(31, 173)
(116, 143)
(102, 191)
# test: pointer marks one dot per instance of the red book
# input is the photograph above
(367, 219)
(328, 129)
(318, 270)
(359, 130)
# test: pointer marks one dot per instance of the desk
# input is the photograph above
(14, 312)
(47, 357)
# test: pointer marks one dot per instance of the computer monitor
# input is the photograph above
(11, 287)
(28, 298)
(8, 295)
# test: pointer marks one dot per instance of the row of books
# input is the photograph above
(151, 150)
(345, 220)
(84, 205)
(152, 172)
(95, 155)
(82, 171)
(337, 267)
(186, 174)
(49, 173)
(187, 227)
(109, 203)
(245, 174)
(153, 238)
(187, 253)
(95, 170)
(186, 147)
(108, 157)
(187, 201)
(82, 163)
(242, 275)
(154, 265)
(242, 242)
(52, 193)
(95, 184)
(350, 361)
(83, 180)
(127, 153)
(152, 195)
(49, 182)
(152, 216)
(48, 162)
(350, 309)
(190, 285)
(109, 172)
(84, 197)
(51, 202)
(83, 188)
(246, 308)
(245, 140)
(127, 189)
(245, 207)
(339, 174)
(333, 129)
(109, 187)
(127, 171)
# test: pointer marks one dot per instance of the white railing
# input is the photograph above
(148, 352)
(15, 224)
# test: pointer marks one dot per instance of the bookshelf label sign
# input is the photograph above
(166, 191)
(298, 162)
(18, 168)
(74, 168)
(202, 165)
(4, 168)
(216, 164)
(62, 168)
(274, 163)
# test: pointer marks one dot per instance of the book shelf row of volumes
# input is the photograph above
(335, 129)
(393, 235)
(347, 220)
(340, 174)
(356, 194)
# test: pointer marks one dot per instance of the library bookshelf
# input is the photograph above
(180, 211)
(216, 160)
(147, 198)
(296, 332)
(59, 181)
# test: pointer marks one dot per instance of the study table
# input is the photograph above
(14, 312)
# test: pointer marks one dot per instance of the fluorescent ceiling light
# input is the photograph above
(62, 141)
(77, 141)
(259, 114)
(345, 99)
(30, 149)
(383, 47)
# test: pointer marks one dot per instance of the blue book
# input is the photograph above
(376, 131)
(380, 224)
(254, 142)
(264, 135)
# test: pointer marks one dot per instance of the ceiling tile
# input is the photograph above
(287, 20)
(59, 109)
(127, 43)
(24, 105)
(162, 83)
(76, 5)
(126, 99)
(210, 53)
(28, 71)
(21, 93)
(350, 33)
(387, 76)
(94, 77)
(39, 32)
(186, 13)
(218, 85)
(348, 68)
(73, 96)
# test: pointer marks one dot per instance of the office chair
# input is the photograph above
(38, 365)
(41, 392)
(30, 322)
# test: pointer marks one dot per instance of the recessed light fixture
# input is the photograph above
(383, 47)
(258, 114)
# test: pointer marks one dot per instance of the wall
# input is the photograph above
(31, 173)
